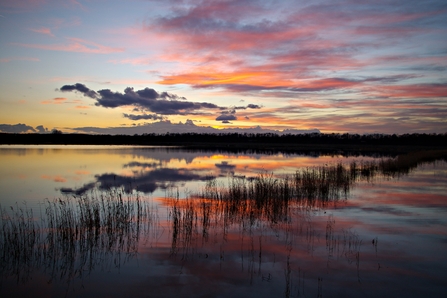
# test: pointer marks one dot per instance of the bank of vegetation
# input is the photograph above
(266, 141)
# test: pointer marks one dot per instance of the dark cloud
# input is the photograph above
(226, 117)
(143, 117)
(166, 95)
(175, 107)
(16, 128)
(80, 88)
(41, 129)
(147, 99)
(250, 106)
(229, 111)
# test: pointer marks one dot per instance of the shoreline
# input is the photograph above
(323, 143)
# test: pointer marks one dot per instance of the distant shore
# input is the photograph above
(353, 143)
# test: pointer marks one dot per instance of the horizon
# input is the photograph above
(138, 67)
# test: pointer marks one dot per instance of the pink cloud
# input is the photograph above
(413, 91)
(315, 105)
(134, 61)
(223, 42)
(43, 30)
(75, 45)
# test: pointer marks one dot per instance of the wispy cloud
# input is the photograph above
(301, 48)
(134, 61)
(74, 45)
(23, 4)
(56, 100)
(9, 59)
(144, 117)
(43, 30)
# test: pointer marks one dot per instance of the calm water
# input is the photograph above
(385, 237)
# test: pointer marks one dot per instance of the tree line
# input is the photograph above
(226, 139)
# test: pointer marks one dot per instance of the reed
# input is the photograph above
(75, 234)
(269, 197)
(19, 242)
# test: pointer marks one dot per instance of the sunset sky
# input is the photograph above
(145, 66)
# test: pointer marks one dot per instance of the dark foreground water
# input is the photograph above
(164, 222)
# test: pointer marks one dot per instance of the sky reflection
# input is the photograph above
(36, 172)
(384, 237)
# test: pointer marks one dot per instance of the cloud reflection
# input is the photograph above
(146, 182)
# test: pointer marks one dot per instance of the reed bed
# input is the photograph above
(74, 235)
(268, 197)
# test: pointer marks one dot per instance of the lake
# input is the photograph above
(126, 221)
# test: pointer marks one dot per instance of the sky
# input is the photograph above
(101, 66)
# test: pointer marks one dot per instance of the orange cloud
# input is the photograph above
(255, 79)
(80, 172)
(56, 178)
(56, 100)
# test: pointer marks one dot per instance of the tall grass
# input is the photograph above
(267, 197)
(20, 239)
(270, 198)
(74, 235)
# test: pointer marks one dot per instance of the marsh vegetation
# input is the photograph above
(73, 235)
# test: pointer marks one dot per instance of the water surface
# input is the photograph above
(384, 236)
